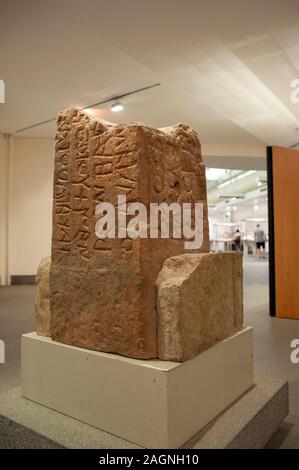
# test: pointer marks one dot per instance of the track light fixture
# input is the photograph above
(117, 107)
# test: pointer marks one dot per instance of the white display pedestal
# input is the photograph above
(154, 404)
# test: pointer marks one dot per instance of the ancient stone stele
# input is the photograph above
(102, 291)
(199, 302)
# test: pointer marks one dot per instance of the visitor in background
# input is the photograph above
(237, 240)
(260, 239)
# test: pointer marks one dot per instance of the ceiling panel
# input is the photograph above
(224, 66)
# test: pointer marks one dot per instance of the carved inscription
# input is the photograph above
(103, 290)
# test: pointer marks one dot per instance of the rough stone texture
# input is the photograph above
(199, 302)
(42, 298)
(103, 291)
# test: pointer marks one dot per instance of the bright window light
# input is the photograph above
(214, 174)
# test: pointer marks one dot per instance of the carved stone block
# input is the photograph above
(199, 302)
(103, 290)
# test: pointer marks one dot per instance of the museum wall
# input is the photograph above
(234, 156)
(248, 212)
(31, 203)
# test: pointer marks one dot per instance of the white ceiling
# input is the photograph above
(225, 66)
(234, 185)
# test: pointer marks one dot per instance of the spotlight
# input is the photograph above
(117, 107)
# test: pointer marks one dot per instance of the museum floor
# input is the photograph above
(272, 337)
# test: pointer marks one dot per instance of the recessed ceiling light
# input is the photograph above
(256, 207)
(234, 208)
(117, 107)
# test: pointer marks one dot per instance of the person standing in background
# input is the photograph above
(260, 240)
(237, 240)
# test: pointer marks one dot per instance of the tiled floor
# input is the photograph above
(272, 337)
(16, 318)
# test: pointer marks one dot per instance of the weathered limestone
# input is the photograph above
(113, 295)
(199, 302)
(103, 291)
(42, 298)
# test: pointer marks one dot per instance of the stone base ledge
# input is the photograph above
(154, 404)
